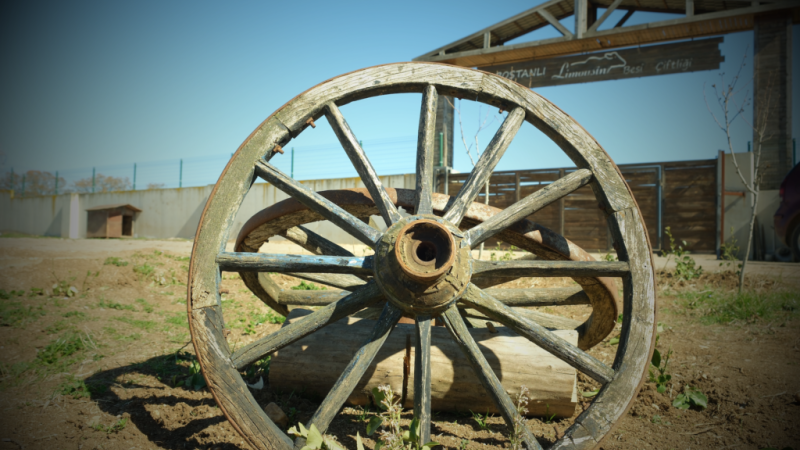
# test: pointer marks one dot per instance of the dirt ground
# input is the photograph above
(109, 364)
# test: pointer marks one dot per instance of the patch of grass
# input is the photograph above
(115, 261)
(303, 286)
(58, 327)
(77, 388)
(14, 314)
(122, 337)
(267, 317)
(113, 305)
(481, 420)
(146, 307)
(76, 314)
(147, 325)
(7, 295)
(64, 351)
(113, 428)
(178, 319)
(714, 306)
(144, 269)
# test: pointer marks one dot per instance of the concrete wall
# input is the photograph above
(738, 209)
(165, 213)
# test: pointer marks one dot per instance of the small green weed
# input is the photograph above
(58, 327)
(714, 306)
(115, 261)
(303, 286)
(691, 398)
(146, 307)
(76, 314)
(114, 428)
(389, 420)
(685, 266)
(77, 388)
(147, 325)
(481, 420)
(507, 256)
(114, 305)
(14, 314)
(178, 319)
(729, 252)
(63, 352)
(660, 376)
(144, 269)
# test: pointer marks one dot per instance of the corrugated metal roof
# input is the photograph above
(117, 205)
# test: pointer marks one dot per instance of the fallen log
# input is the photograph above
(313, 364)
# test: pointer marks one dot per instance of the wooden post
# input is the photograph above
(581, 17)
(772, 96)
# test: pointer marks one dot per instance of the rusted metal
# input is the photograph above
(310, 121)
(277, 149)
(422, 264)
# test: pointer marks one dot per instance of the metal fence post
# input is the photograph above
(180, 176)
(134, 176)
(12, 178)
(93, 179)
(56, 182)
(23, 185)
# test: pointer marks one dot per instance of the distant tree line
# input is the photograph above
(36, 182)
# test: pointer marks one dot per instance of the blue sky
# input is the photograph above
(110, 84)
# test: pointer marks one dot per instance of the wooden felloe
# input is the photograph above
(313, 364)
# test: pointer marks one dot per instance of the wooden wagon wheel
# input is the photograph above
(422, 264)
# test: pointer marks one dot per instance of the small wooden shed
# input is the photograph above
(111, 221)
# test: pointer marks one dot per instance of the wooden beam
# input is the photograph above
(605, 15)
(689, 8)
(487, 39)
(581, 17)
(625, 18)
(707, 24)
(554, 22)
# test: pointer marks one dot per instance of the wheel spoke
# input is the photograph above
(422, 377)
(459, 331)
(575, 357)
(546, 320)
(426, 139)
(545, 268)
(355, 370)
(266, 262)
(313, 242)
(310, 298)
(360, 298)
(527, 206)
(339, 281)
(540, 297)
(364, 168)
(318, 204)
(485, 165)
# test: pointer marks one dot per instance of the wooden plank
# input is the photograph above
(519, 268)
(266, 262)
(425, 144)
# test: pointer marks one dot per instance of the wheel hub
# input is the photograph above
(423, 264)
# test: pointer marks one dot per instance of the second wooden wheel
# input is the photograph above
(422, 265)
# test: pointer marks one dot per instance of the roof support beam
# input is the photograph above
(605, 15)
(487, 39)
(554, 22)
(581, 17)
(689, 8)
(625, 18)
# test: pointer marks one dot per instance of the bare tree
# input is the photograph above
(33, 182)
(102, 183)
(483, 123)
(731, 109)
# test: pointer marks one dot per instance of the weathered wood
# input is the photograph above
(636, 341)
(510, 297)
(453, 384)
(310, 298)
(227, 385)
(484, 372)
(313, 242)
(422, 376)
(540, 297)
(319, 204)
(355, 370)
(360, 298)
(586, 363)
(267, 262)
(552, 268)
(546, 320)
(361, 163)
(340, 281)
(262, 286)
(426, 140)
(486, 163)
(527, 206)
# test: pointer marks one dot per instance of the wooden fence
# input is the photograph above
(679, 194)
